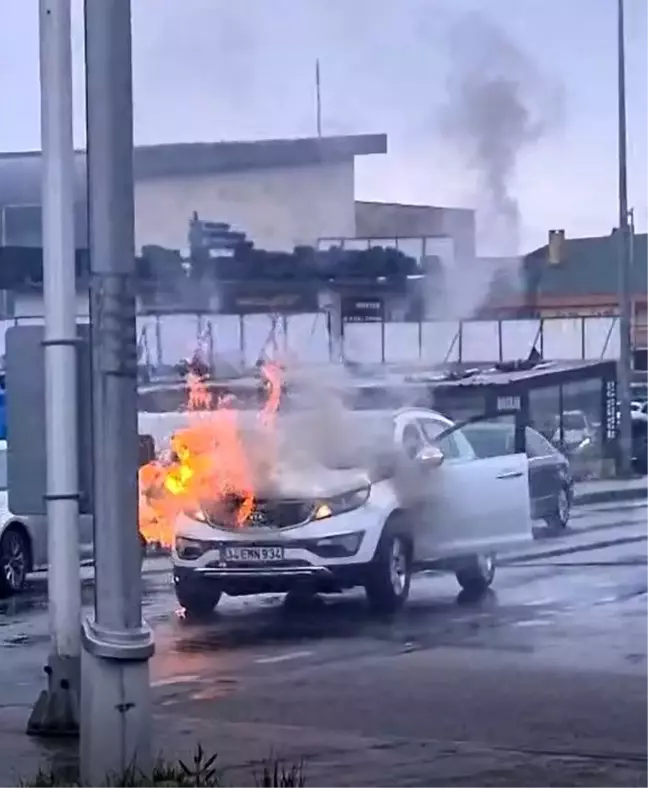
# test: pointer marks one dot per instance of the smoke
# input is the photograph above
(499, 105)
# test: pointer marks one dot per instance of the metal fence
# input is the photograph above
(240, 340)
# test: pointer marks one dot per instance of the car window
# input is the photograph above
(454, 446)
(3, 469)
(573, 421)
(412, 440)
(537, 445)
(490, 440)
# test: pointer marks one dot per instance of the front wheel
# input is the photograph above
(390, 575)
(476, 573)
(14, 561)
(197, 603)
(559, 518)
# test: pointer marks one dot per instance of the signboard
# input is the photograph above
(25, 413)
(610, 412)
(362, 310)
(245, 300)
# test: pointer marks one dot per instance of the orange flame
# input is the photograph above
(210, 463)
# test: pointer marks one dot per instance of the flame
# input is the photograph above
(211, 462)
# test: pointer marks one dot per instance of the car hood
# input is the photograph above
(311, 482)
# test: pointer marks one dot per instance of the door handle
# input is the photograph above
(510, 475)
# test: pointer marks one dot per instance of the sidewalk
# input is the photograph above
(342, 758)
(610, 490)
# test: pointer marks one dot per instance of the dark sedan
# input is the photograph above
(551, 483)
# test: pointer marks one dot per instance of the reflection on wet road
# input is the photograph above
(554, 657)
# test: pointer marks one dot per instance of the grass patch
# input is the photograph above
(201, 772)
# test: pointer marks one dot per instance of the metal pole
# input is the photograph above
(633, 301)
(318, 98)
(115, 711)
(625, 306)
(56, 711)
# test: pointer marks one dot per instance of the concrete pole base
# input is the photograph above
(115, 715)
(56, 712)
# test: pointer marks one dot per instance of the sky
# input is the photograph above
(508, 106)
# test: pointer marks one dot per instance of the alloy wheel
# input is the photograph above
(563, 507)
(14, 560)
(398, 566)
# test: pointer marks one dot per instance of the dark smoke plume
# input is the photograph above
(498, 105)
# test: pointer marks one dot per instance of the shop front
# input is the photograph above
(573, 405)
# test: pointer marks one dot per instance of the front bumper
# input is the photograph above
(241, 581)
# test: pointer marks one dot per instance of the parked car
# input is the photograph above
(578, 442)
(640, 442)
(23, 538)
(434, 505)
(551, 484)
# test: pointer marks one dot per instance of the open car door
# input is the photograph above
(474, 505)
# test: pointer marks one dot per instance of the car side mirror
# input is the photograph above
(430, 457)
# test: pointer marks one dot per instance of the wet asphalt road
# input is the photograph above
(553, 661)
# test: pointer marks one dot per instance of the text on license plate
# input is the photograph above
(253, 554)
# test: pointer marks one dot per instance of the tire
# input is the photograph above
(197, 603)
(559, 520)
(300, 596)
(143, 550)
(475, 574)
(390, 574)
(14, 560)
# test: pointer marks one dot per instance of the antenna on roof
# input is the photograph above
(318, 98)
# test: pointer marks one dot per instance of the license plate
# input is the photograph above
(259, 555)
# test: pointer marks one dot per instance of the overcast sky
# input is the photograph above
(543, 143)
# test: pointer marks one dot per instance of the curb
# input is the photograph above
(611, 496)
(570, 549)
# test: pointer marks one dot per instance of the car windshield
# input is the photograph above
(573, 421)
(336, 438)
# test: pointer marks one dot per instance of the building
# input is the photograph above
(278, 193)
(281, 193)
(583, 282)
(380, 220)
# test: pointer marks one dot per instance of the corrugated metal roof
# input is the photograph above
(590, 267)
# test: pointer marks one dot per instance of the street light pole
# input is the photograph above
(625, 297)
(115, 689)
(56, 711)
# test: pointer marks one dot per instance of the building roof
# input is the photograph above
(413, 206)
(20, 173)
(589, 268)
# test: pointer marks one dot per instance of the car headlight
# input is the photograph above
(329, 507)
(190, 549)
(196, 513)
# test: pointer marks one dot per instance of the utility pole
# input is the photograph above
(625, 286)
(318, 98)
(115, 689)
(56, 711)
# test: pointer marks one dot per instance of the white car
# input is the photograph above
(23, 539)
(336, 529)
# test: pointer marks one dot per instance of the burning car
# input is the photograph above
(250, 511)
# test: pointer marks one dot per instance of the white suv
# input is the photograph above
(438, 506)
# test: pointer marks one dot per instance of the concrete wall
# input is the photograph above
(277, 208)
(375, 219)
(27, 305)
